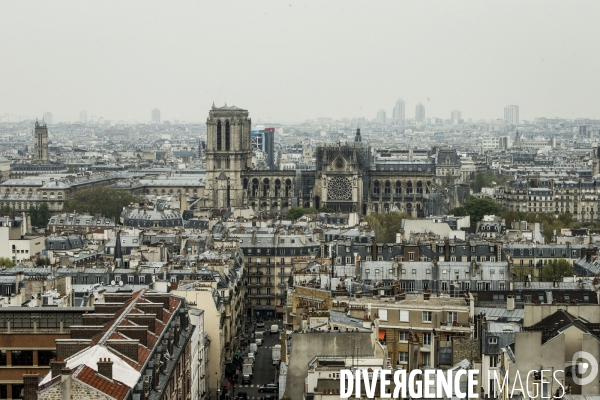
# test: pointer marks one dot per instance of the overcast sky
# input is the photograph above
(290, 61)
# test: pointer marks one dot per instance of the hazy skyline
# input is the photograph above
(291, 61)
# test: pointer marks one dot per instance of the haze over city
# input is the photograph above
(291, 61)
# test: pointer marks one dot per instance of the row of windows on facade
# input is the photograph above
(387, 187)
(390, 249)
(58, 195)
(264, 188)
(411, 257)
(455, 288)
(26, 357)
(259, 292)
(284, 251)
(170, 191)
(98, 279)
(540, 252)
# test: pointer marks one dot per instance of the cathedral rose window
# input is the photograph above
(339, 188)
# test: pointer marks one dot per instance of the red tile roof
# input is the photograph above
(114, 388)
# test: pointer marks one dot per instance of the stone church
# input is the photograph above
(346, 178)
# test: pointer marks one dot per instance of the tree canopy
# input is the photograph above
(386, 225)
(100, 200)
(39, 216)
(488, 179)
(556, 269)
(297, 212)
(476, 208)
(6, 262)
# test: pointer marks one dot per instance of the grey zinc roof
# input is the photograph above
(501, 314)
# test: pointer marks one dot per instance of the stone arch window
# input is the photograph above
(170, 191)
(376, 187)
(266, 187)
(59, 195)
(277, 187)
(376, 208)
(387, 188)
(398, 187)
(227, 136)
(386, 207)
(162, 191)
(307, 205)
(288, 187)
(274, 205)
(255, 187)
(51, 195)
(23, 191)
(285, 205)
(245, 183)
(409, 207)
(419, 187)
(409, 187)
(219, 135)
(418, 205)
(155, 192)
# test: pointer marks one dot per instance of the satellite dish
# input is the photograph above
(112, 283)
(120, 283)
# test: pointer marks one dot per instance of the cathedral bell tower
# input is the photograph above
(228, 154)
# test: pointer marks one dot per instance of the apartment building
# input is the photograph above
(269, 256)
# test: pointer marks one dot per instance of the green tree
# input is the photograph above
(510, 217)
(6, 210)
(297, 212)
(100, 200)
(42, 261)
(6, 262)
(386, 225)
(480, 182)
(556, 269)
(43, 215)
(73, 169)
(476, 208)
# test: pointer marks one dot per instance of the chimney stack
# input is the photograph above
(156, 371)
(30, 385)
(105, 368)
(177, 330)
(510, 303)
(146, 387)
(65, 383)
(56, 365)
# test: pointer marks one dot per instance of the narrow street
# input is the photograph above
(264, 371)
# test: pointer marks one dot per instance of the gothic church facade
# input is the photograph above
(346, 178)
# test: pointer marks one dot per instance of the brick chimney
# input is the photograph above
(56, 365)
(105, 368)
(177, 330)
(147, 388)
(30, 385)
(156, 371)
(171, 341)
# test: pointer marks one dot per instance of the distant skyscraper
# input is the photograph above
(381, 116)
(156, 116)
(399, 115)
(83, 117)
(40, 144)
(456, 116)
(48, 118)
(511, 115)
(420, 113)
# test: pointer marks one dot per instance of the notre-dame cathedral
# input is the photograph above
(346, 178)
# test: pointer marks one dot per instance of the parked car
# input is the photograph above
(246, 378)
(241, 396)
(269, 387)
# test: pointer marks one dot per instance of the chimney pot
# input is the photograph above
(105, 368)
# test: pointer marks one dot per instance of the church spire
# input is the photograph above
(357, 137)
